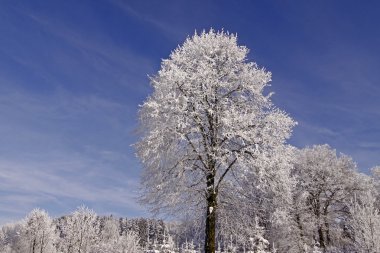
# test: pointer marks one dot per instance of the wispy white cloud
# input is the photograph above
(334, 99)
(166, 28)
(61, 148)
(26, 185)
(320, 130)
(52, 154)
(369, 145)
(83, 58)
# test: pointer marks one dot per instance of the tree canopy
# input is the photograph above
(208, 115)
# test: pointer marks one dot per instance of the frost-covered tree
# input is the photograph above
(39, 232)
(208, 116)
(168, 245)
(110, 240)
(326, 184)
(4, 244)
(375, 171)
(129, 243)
(108, 236)
(365, 224)
(188, 247)
(79, 231)
(126, 243)
(262, 194)
(13, 239)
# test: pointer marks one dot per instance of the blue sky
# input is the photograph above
(72, 74)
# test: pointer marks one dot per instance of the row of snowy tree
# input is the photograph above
(84, 231)
(319, 203)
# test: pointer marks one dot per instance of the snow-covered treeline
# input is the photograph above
(321, 203)
(86, 232)
(324, 205)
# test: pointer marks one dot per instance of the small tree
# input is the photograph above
(108, 236)
(129, 243)
(39, 232)
(365, 224)
(207, 116)
(4, 245)
(126, 243)
(326, 184)
(13, 238)
(79, 230)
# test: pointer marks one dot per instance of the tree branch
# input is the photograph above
(224, 173)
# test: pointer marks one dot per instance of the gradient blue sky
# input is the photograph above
(72, 74)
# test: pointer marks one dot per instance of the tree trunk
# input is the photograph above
(321, 238)
(42, 241)
(327, 229)
(301, 231)
(318, 213)
(34, 245)
(327, 225)
(80, 242)
(210, 244)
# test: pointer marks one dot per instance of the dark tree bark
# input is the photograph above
(300, 227)
(34, 246)
(42, 242)
(210, 244)
(321, 239)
